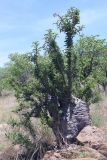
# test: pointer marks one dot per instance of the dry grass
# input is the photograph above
(99, 114)
(7, 104)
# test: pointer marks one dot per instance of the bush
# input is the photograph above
(18, 138)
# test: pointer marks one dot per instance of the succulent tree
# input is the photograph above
(56, 72)
(47, 83)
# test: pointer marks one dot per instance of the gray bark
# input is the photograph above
(76, 116)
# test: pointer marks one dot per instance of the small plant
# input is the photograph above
(13, 122)
(18, 138)
(96, 116)
(97, 120)
(83, 155)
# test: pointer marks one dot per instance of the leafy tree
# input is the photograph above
(19, 77)
(92, 66)
(47, 82)
(17, 71)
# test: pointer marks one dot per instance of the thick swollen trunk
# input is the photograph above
(75, 117)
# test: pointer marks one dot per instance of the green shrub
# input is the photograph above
(18, 138)
(13, 122)
(83, 155)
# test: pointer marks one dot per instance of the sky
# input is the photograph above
(25, 21)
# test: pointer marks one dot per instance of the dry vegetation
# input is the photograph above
(8, 103)
(99, 113)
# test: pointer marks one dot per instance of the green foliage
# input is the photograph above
(97, 115)
(1, 79)
(83, 155)
(18, 138)
(97, 120)
(91, 66)
(17, 71)
(45, 119)
(13, 122)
